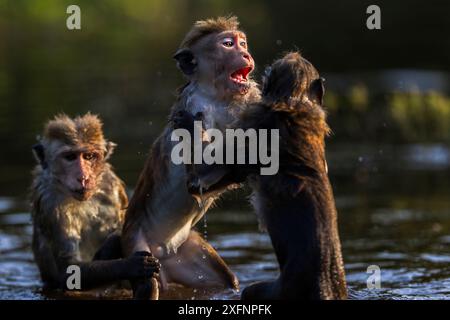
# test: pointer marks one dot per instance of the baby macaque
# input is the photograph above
(77, 202)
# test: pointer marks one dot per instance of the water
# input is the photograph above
(396, 217)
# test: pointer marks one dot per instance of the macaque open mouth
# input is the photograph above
(241, 75)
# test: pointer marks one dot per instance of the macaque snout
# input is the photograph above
(82, 189)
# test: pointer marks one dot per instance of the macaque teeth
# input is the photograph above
(239, 78)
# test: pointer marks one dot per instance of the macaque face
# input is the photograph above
(78, 170)
(224, 61)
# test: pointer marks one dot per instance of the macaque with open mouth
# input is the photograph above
(215, 59)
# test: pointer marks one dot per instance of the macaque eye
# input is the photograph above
(71, 156)
(90, 156)
(228, 42)
(243, 44)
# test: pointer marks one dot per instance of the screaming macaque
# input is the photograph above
(296, 205)
(215, 59)
(77, 203)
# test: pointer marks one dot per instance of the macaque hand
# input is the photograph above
(206, 178)
(142, 265)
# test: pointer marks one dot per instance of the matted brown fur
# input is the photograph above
(67, 229)
(156, 165)
(202, 28)
(162, 212)
(85, 129)
(297, 204)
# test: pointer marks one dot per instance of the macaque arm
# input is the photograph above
(110, 249)
(101, 272)
(144, 288)
(208, 177)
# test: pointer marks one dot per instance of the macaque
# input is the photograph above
(215, 59)
(77, 202)
(296, 205)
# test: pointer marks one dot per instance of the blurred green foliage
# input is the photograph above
(421, 116)
(396, 117)
(120, 66)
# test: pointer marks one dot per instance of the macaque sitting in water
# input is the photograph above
(215, 58)
(77, 202)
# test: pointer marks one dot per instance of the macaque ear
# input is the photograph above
(186, 61)
(317, 90)
(39, 154)
(110, 147)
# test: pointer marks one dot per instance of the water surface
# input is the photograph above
(394, 212)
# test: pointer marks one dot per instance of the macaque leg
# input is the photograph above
(197, 265)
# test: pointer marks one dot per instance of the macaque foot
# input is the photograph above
(146, 289)
(142, 265)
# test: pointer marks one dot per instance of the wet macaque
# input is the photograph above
(215, 59)
(77, 203)
(296, 206)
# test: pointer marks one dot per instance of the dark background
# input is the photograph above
(387, 86)
(387, 100)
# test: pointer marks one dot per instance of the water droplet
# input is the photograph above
(204, 257)
(205, 227)
(360, 159)
(200, 277)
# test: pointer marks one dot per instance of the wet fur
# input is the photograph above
(296, 206)
(69, 231)
(162, 212)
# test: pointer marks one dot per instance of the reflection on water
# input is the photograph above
(396, 217)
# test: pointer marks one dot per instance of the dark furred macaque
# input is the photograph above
(215, 59)
(296, 205)
(77, 203)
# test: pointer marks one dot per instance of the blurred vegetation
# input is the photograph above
(394, 117)
(120, 66)
(421, 117)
